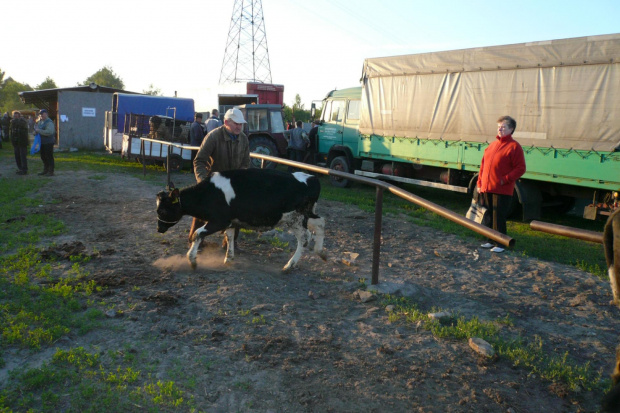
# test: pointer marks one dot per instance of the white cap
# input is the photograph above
(235, 115)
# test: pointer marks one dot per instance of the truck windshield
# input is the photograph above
(257, 120)
(277, 124)
(334, 111)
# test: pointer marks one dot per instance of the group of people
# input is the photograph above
(302, 144)
(225, 146)
(16, 130)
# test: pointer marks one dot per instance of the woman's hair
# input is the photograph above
(510, 122)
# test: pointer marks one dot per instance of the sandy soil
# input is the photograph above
(254, 339)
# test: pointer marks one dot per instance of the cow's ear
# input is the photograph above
(174, 195)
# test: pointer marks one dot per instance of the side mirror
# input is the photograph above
(312, 110)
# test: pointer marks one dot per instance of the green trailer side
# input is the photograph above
(589, 169)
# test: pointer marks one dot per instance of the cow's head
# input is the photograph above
(169, 210)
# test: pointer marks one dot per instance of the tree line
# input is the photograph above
(9, 89)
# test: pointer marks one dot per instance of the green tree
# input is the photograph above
(105, 77)
(298, 112)
(152, 90)
(287, 113)
(48, 83)
(9, 98)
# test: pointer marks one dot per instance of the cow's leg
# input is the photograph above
(230, 244)
(301, 234)
(317, 226)
(199, 235)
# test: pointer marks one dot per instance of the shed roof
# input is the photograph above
(48, 98)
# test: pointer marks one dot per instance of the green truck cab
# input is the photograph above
(339, 135)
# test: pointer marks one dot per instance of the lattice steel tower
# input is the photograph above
(246, 58)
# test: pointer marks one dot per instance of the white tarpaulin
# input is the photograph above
(562, 93)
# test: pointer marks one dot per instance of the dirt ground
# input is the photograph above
(251, 338)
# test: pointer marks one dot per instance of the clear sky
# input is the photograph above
(314, 46)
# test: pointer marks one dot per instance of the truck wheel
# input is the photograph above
(264, 146)
(339, 163)
(176, 162)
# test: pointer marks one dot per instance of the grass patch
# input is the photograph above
(86, 381)
(529, 355)
(36, 306)
(20, 221)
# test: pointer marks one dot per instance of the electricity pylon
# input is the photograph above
(246, 58)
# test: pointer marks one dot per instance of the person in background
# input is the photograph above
(196, 134)
(46, 128)
(313, 145)
(297, 144)
(5, 124)
(30, 124)
(213, 122)
(223, 149)
(19, 138)
(503, 163)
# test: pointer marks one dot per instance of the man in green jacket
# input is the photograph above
(18, 132)
(46, 128)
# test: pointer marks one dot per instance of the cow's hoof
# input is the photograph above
(288, 267)
(193, 264)
(323, 255)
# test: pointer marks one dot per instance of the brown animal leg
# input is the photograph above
(611, 243)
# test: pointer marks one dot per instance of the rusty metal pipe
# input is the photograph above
(582, 234)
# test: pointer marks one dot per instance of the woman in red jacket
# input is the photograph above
(502, 164)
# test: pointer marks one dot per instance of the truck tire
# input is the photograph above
(264, 146)
(339, 163)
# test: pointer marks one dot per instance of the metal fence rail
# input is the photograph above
(380, 188)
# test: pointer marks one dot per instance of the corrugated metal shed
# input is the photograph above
(78, 113)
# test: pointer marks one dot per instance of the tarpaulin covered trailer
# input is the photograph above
(123, 104)
(427, 119)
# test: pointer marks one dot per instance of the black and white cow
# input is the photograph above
(257, 199)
